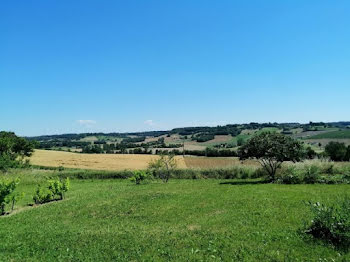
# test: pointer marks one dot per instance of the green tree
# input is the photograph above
(13, 149)
(271, 150)
(336, 151)
(163, 166)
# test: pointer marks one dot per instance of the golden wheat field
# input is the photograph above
(94, 161)
(123, 161)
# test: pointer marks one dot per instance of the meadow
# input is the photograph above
(183, 220)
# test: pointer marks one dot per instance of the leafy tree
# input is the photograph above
(272, 149)
(163, 166)
(336, 151)
(13, 149)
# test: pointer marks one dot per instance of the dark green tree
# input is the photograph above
(271, 150)
(13, 149)
(336, 151)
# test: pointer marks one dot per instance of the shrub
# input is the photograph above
(55, 190)
(6, 189)
(312, 174)
(328, 169)
(14, 198)
(331, 223)
(42, 195)
(139, 176)
(59, 187)
(291, 175)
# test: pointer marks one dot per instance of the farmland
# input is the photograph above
(194, 140)
(94, 161)
(52, 158)
(117, 207)
(192, 220)
(343, 134)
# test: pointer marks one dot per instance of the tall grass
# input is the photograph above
(311, 172)
(240, 172)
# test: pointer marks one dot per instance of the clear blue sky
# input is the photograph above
(113, 66)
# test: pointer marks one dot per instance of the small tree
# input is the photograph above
(271, 150)
(163, 166)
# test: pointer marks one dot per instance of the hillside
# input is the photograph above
(201, 141)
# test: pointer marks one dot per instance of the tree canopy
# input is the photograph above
(272, 149)
(337, 151)
(13, 149)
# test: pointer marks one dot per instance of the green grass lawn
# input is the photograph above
(184, 220)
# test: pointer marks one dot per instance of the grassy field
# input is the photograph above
(184, 220)
(344, 134)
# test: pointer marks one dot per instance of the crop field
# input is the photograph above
(183, 220)
(52, 158)
(94, 161)
(343, 134)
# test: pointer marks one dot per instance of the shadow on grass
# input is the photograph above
(245, 182)
(311, 240)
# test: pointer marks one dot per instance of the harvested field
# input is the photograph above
(94, 161)
(125, 161)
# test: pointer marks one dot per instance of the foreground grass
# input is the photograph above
(184, 220)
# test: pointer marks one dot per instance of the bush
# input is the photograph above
(58, 187)
(331, 223)
(291, 175)
(6, 189)
(42, 195)
(54, 191)
(312, 175)
(328, 169)
(139, 176)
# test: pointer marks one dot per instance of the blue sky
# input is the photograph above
(114, 66)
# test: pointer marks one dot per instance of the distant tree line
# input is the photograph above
(64, 143)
